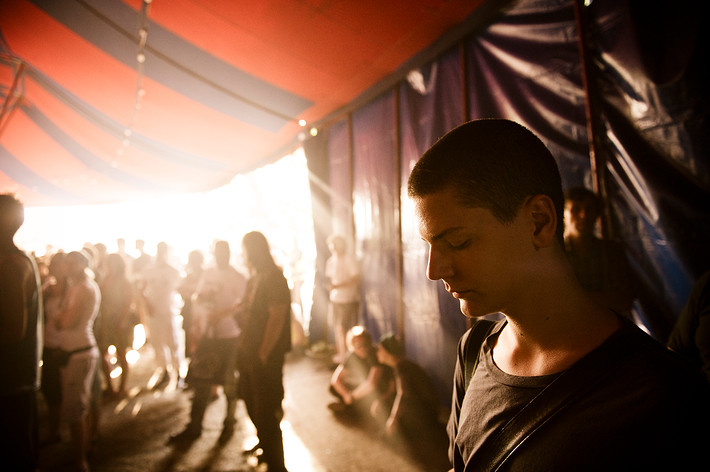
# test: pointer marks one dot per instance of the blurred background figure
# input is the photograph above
(77, 340)
(265, 319)
(161, 280)
(415, 415)
(343, 273)
(215, 330)
(20, 344)
(600, 265)
(193, 273)
(361, 380)
(115, 321)
(54, 292)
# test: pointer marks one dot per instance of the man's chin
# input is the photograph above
(467, 309)
(471, 311)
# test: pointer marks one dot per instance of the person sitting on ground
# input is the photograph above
(416, 403)
(360, 379)
(413, 420)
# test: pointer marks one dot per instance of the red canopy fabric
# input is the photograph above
(106, 100)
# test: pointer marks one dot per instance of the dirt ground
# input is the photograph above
(134, 432)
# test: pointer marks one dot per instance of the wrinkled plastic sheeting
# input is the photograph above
(430, 105)
(375, 212)
(652, 74)
(525, 67)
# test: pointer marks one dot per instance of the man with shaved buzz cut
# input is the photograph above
(561, 382)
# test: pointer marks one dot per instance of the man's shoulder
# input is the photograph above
(16, 263)
(652, 367)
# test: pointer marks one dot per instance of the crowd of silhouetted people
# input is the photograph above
(75, 312)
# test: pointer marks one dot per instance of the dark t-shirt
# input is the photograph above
(263, 290)
(19, 361)
(650, 413)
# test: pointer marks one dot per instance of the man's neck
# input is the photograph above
(553, 330)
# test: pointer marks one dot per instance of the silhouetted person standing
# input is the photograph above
(343, 273)
(265, 319)
(20, 344)
(161, 280)
(217, 297)
(599, 264)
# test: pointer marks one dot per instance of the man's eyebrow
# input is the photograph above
(444, 233)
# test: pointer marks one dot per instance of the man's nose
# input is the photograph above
(439, 266)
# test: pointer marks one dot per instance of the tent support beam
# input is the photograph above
(9, 104)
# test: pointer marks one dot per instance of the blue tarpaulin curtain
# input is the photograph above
(375, 203)
(648, 78)
(431, 104)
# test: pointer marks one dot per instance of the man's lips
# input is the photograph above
(455, 293)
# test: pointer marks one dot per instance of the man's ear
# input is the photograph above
(544, 217)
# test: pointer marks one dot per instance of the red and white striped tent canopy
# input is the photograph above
(117, 100)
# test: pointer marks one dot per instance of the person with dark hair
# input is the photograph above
(265, 320)
(599, 264)
(560, 383)
(21, 327)
(413, 418)
(415, 409)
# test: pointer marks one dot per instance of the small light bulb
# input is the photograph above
(302, 122)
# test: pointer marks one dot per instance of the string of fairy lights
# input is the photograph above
(140, 91)
(140, 73)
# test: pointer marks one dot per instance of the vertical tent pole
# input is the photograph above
(593, 115)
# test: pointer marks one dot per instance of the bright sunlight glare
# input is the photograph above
(274, 199)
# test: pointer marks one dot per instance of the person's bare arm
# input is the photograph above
(338, 383)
